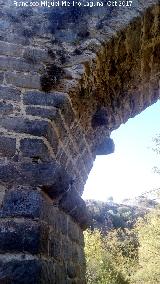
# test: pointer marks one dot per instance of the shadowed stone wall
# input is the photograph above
(69, 76)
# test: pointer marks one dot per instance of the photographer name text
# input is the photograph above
(65, 3)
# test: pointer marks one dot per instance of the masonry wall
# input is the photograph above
(42, 213)
(46, 245)
(67, 79)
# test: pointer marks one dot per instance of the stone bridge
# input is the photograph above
(69, 76)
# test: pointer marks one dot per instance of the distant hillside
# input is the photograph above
(109, 215)
(148, 199)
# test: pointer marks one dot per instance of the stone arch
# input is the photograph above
(64, 88)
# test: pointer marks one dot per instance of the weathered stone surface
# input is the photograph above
(156, 59)
(75, 206)
(42, 112)
(21, 125)
(75, 253)
(7, 146)
(68, 113)
(2, 194)
(19, 236)
(20, 271)
(67, 251)
(63, 223)
(5, 108)
(55, 99)
(73, 231)
(34, 148)
(11, 63)
(1, 77)
(48, 271)
(60, 276)
(106, 147)
(10, 49)
(25, 81)
(71, 271)
(8, 93)
(49, 176)
(100, 118)
(35, 55)
(22, 202)
(55, 246)
(35, 127)
(111, 64)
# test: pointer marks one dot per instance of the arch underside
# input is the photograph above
(62, 92)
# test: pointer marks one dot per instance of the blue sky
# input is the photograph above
(129, 171)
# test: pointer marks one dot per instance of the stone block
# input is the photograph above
(156, 58)
(24, 81)
(106, 147)
(2, 194)
(35, 127)
(4, 25)
(77, 134)
(154, 89)
(15, 64)
(5, 108)
(55, 246)
(8, 93)
(14, 271)
(34, 148)
(146, 58)
(48, 271)
(49, 213)
(67, 250)
(56, 99)
(42, 112)
(19, 236)
(8, 173)
(63, 223)
(7, 146)
(22, 125)
(88, 160)
(71, 271)
(81, 258)
(44, 239)
(73, 231)
(75, 253)
(75, 206)
(1, 77)
(22, 202)
(148, 25)
(61, 128)
(35, 55)
(10, 49)
(61, 156)
(48, 175)
(60, 276)
(68, 113)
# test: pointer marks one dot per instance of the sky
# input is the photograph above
(128, 172)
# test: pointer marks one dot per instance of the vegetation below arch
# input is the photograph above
(125, 255)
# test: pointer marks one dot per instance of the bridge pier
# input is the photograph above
(39, 242)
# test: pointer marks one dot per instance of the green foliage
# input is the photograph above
(124, 256)
(148, 232)
(110, 259)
